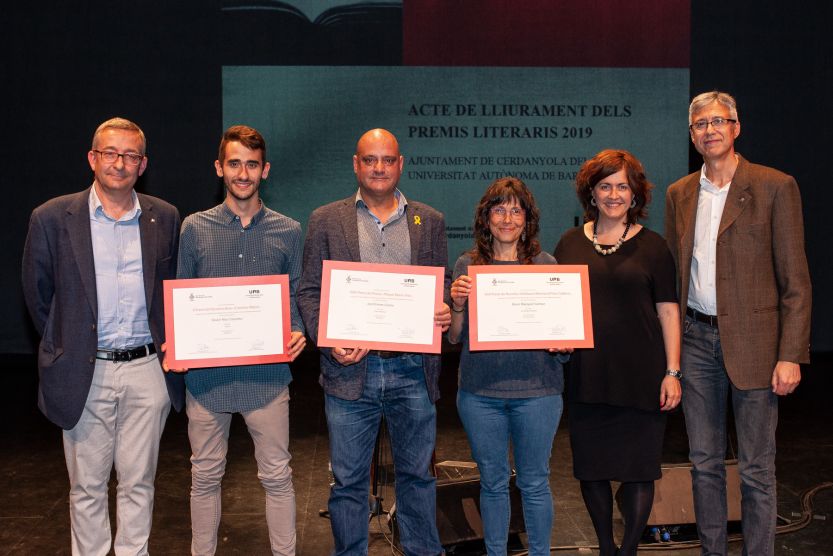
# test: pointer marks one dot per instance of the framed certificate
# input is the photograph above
(380, 306)
(216, 322)
(529, 307)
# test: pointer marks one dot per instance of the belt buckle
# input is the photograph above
(105, 354)
(124, 355)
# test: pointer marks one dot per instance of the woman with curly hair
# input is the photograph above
(619, 392)
(507, 396)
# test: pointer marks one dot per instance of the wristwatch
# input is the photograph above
(676, 373)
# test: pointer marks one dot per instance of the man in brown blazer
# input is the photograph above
(736, 232)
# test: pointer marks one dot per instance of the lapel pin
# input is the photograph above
(417, 220)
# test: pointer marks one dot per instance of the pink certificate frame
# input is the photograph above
(328, 266)
(475, 344)
(170, 337)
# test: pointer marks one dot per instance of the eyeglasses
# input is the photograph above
(110, 157)
(387, 161)
(501, 212)
(717, 123)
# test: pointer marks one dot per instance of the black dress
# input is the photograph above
(616, 428)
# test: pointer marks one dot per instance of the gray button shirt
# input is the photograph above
(383, 242)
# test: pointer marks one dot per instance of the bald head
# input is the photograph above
(377, 137)
(377, 164)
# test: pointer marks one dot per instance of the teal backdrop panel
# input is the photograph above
(459, 129)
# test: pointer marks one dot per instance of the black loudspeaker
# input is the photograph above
(458, 505)
(458, 510)
(674, 501)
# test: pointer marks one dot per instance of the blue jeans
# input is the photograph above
(530, 423)
(706, 387)
(394, 388)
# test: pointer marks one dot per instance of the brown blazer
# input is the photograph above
(763, 284)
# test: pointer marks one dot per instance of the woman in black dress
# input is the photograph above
(618, 391)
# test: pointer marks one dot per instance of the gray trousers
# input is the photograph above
(121, 425)
(208, 432)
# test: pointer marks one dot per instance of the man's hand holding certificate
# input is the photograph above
(529, 307)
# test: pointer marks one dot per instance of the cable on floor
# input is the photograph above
(789, 527)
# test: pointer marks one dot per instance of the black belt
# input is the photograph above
(711, 320)
(387, 354)
(125, 354)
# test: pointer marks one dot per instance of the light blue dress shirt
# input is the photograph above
(119, 277)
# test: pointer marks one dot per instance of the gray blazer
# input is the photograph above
(763, 284)
(333, 234)
(60, 291)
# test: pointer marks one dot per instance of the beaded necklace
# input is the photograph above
(601, 250)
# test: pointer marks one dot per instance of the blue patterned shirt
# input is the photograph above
(383, 242)
(214, 244)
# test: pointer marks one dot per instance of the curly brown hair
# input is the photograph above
(505, 190)
(604, 164)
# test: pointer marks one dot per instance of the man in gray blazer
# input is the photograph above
(93, 267)
(736, 232)
(377, 225)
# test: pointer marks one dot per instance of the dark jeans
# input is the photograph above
(706, 387)
(394, 388)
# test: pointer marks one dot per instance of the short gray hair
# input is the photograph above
(704, 99)
(124, 124)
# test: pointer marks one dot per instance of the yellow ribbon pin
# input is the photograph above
(417, 220)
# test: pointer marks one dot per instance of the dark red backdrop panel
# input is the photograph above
(575, 33)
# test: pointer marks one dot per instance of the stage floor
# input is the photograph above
(34, 515)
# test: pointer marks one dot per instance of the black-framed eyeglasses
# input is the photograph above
(717, 123)
(110, 157)
(371, 161)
